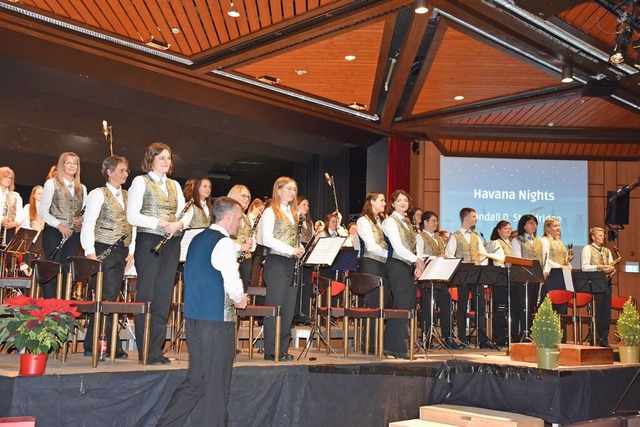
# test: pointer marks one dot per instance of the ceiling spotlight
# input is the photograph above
(567, 74)
(458, 97)
(622, 43)
(268, 79)
(301, 72)
(350, 57)
(357, 106)
(637, 63)
(175, 30)
(421, 7)
(233, 12)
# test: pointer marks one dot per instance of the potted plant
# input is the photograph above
(35, 327)
(628, 332)
(546, 332)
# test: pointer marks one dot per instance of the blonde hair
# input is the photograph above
(33, 209)
(548, 222)
(275, 203)
(6, 171)
(59, 175)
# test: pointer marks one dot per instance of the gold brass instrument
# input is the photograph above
(296, 270)
(110, 249)
(156, 250)
(614, 263)
(64, 238)
(570, 253)
(252, 233)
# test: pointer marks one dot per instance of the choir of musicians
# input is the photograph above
(393, 241)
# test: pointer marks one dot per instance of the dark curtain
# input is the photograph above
(398, 168)
(312, 184)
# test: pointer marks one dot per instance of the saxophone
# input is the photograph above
(570, 253)
(614, 263)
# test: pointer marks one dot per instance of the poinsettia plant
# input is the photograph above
(37, 326)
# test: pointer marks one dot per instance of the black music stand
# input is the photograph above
(508, 262)
(322, 254)
(19, 245)
(591, 282)
(524, 274)
(439, 270)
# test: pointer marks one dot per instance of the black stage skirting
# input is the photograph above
(326, 395)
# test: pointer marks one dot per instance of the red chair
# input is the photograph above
(559, 297)
(329, 289)
(471, 314)
(580, 300)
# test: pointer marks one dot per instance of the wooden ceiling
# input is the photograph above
(504, 57)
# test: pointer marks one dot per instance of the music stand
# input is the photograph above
(323, 253)
(525, 274)
(508, 262)
(19, 245)
(439, 270)
(591, 282)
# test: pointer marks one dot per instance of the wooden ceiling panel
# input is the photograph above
(464, 66)
(593, 20)
(327, 74)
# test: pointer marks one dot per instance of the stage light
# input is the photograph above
(421, 7)
(567, 74)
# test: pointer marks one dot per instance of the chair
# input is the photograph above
(252, 311)
(82, 270)
(329, 289)
(360, 284)
(582, 299)
(176, 312)
(471, 314)
(42, 272)
(559, 297)
(115, 308)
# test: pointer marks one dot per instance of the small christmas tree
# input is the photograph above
(628, 325)
(546, 331)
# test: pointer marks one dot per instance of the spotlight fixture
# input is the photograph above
(158, 44)
(233, 12)
(268, 79)
(567, 74)
(622, 43)
(350, 57)
(421, 7)
(458, 97)
(357, 106)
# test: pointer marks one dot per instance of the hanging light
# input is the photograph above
(233, 12)
(622, 43)
(421, 7)
(567, 74)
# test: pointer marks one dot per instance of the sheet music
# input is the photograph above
(325, 251)
(187, 237)
(440, 269)
(568, 279)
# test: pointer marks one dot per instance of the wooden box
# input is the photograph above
(570, 354)
(472, 417)
(418, 423)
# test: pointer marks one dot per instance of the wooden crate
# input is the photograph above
(472, 417)
(418, 423)
(570, 354)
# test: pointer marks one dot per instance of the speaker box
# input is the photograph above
(617, 209)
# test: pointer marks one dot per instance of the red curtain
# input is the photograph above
(398, 170)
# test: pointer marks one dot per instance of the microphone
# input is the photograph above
(327, 178)
(105, 129)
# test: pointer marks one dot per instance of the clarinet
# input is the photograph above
(156, 250)
(3, 244)
(296, 268)
(254, 228)
(64, 238)
(110, 249)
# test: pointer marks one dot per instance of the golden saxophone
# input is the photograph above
(614, 263)
(570, 253)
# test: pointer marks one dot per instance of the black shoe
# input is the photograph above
(158, 361)
(88, 352)
(121, 354)
(283, 357)
(603, 344)
(452, 344)
(396, 355)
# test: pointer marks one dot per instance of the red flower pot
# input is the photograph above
(32, 365)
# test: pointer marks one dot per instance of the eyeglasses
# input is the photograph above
(163, 158)
(71, 162)
(245, 196)
(122, 170)
(294, 189)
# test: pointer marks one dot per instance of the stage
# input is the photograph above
(327, 391)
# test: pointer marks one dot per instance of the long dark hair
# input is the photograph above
(367, 209)
(523, 220)
(495, 234)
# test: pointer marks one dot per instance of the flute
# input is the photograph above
(156, 250)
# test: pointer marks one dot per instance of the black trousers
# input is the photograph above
(603, 315)
(245, 272)
(156, 277)
(204, 393)
(442, 298)
(372, 266)
(403, 291)
(499, 320)
(521, 309)
(51, 237)
(113, 268)
(278, 276)
(477, 305)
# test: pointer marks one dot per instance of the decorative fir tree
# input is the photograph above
(628, 325)
(546, 331)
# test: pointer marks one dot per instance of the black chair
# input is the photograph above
(361, 284)
(44, 271)
(252, 311)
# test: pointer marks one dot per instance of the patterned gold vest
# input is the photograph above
(467, 251)
(506, 248)
(531, 250)
(200, 218)
(408, 238)
(112, 222)
(557, 251)
(10, 206)
(307, 233)
(286, 231)
(599, 257)
(432, 247)
(378, 236)
(64, 206)
(243, 233)
(157, 204)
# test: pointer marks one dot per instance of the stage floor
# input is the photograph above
(327, 391)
